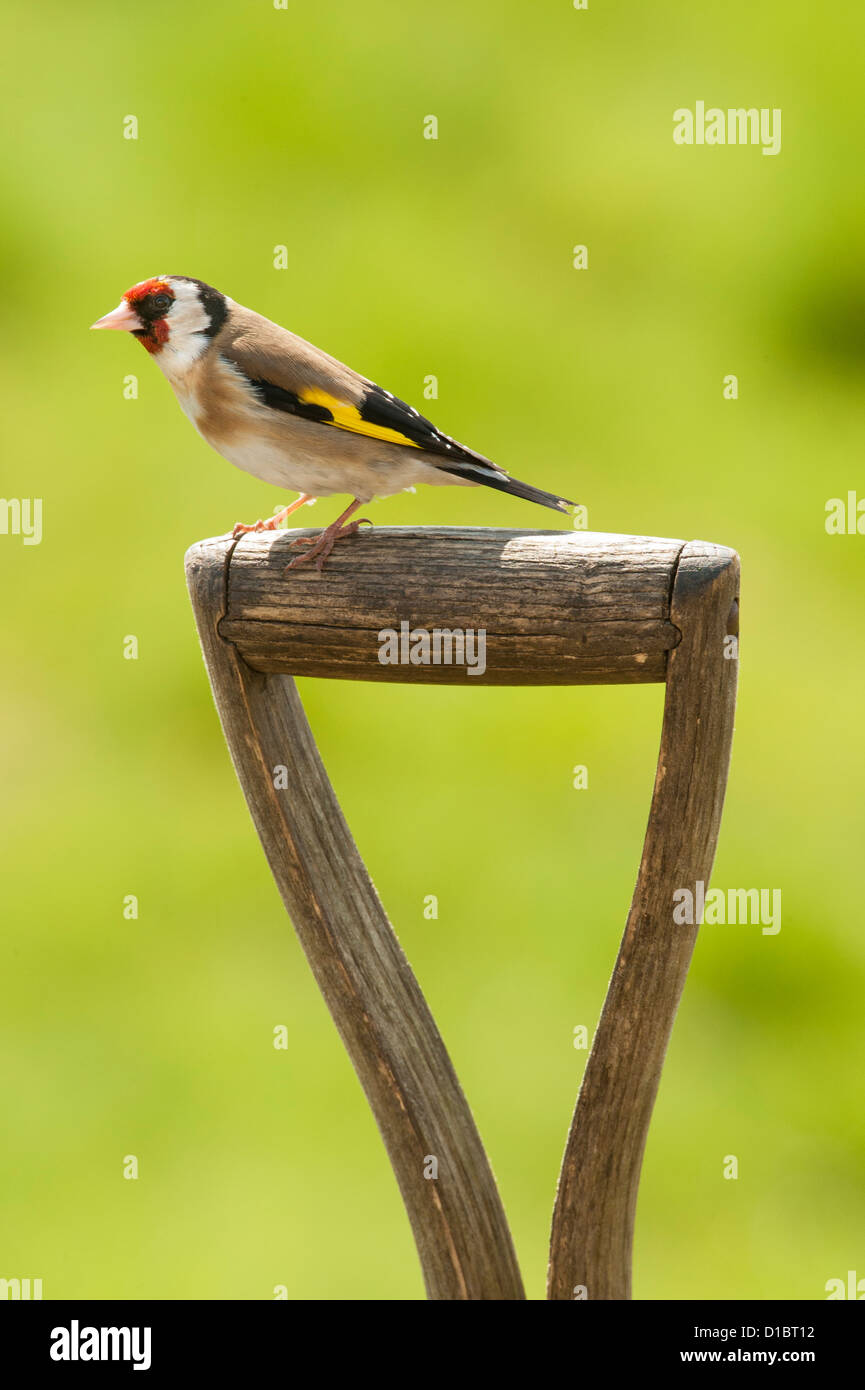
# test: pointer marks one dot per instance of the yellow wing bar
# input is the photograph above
(348, 417)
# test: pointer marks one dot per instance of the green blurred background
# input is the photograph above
(409, 257)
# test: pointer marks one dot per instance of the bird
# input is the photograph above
(290, 414)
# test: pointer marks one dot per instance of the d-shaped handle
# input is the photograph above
(555, 608)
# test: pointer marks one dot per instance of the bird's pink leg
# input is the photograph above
(273, 521)
(322, 545)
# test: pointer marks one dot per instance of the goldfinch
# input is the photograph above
(290, 414)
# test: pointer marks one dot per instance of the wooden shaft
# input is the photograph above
(593, 1220)
(555, 607)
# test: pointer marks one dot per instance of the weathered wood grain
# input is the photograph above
(462, 1236)
(593, 1221)
(556, 607)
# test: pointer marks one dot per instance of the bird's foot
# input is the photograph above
(241, 529)
(321, 546)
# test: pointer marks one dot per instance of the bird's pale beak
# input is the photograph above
(121, 317)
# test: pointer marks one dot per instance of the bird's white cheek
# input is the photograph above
(179, 353)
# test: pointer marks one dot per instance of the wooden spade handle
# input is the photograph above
(556, 608)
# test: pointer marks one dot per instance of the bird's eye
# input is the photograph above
(162, 302)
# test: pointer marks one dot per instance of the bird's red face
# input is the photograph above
(143, 311)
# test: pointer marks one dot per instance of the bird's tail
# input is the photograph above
(477, 469)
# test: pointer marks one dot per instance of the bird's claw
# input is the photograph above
(321, 546)
(241, 529)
